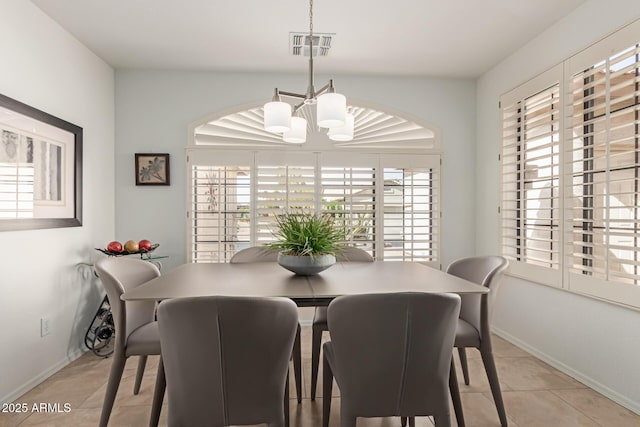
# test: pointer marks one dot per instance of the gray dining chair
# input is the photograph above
(264, 254)
(136, 332)
(390, 355)
(347, 254)
(225, 360)
(254, 254)
(474, 328)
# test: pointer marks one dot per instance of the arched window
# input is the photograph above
(383, 187)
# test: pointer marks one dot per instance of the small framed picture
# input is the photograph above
(152, 169)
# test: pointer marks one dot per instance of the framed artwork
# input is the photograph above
(152, 169)
(40, 169)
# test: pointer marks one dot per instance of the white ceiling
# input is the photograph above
(458, 38)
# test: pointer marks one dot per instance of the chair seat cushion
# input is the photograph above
(320, 317)
(144, 340)
(466, 335)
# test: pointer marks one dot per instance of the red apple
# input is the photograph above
(114, 247)
(144, 245)
(131, 246)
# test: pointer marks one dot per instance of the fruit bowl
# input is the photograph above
(123, 252)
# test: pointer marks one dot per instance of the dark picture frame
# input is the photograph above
(152, 169)
(42, 155)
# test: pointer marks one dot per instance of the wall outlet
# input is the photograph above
(44, 326)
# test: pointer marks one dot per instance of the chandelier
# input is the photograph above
(331, 108)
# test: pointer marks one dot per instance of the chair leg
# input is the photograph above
(412, 421)
(315, 359)
(286, 400)
(142, 362)
(462, 352)
(494, 382)
(297, 364)
(455, 395)
(327, 388)
(158, 395)
(115, 375)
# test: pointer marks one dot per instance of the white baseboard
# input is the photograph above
(40, 377)
(584, 379)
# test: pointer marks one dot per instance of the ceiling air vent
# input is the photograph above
(299, 44)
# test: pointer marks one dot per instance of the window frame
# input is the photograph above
(605, 288)
(542, 82)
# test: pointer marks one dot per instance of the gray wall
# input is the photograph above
(45, 67)
(154, 108)
(594, 341)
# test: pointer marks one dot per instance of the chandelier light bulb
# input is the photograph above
(332, 110)
(277, 116)
(298, 132)
(343, 133)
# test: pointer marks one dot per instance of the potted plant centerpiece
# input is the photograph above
(307, 243)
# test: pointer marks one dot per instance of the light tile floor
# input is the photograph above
(535, 394)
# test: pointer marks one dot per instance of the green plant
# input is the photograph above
(307, 234)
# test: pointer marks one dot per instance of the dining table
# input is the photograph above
(268, 279)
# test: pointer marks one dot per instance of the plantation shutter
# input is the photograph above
(219, 208)
(530, 207)
(411, 209)
(603, 160)
(283, 184)
(387, 205)
(348, 193)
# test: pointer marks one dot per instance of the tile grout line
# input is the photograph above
(577, 409)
